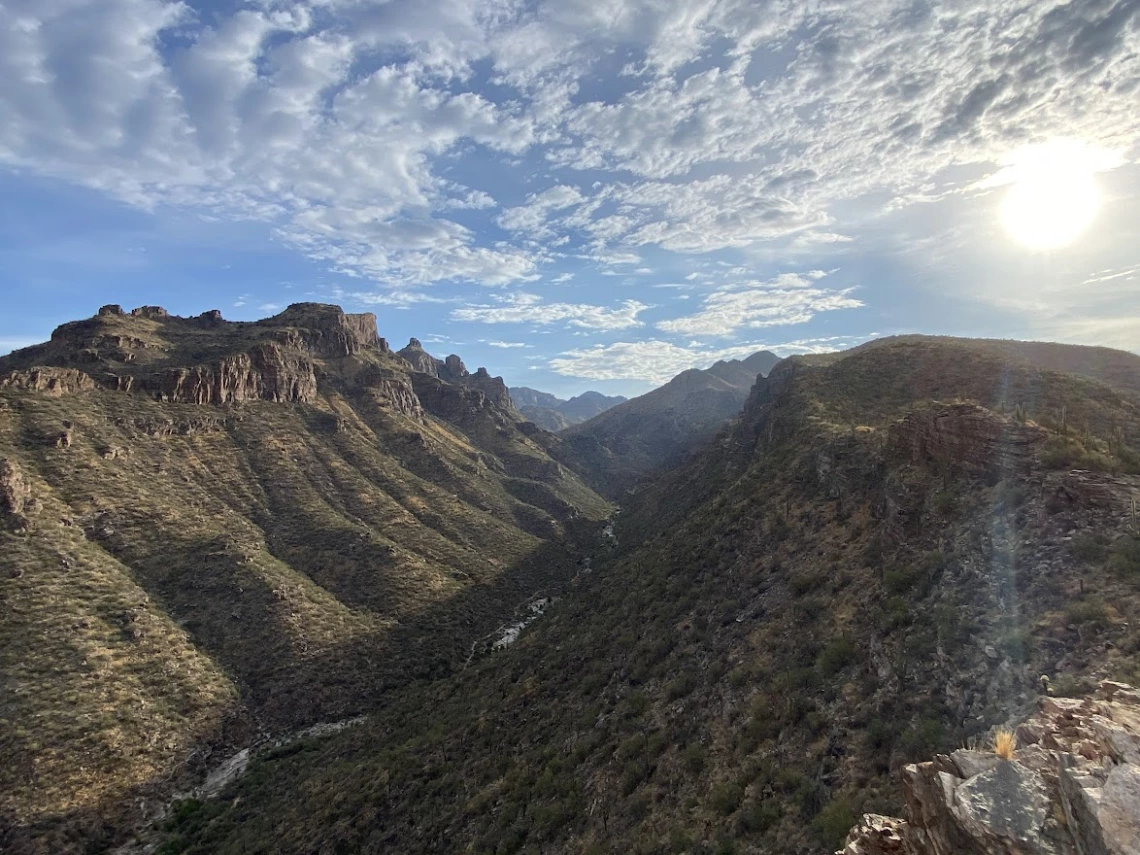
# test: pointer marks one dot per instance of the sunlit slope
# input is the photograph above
(882, 559)
(177, 576)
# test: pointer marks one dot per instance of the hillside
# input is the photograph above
(616, 449)
(881, 559)
(554, 414)
(211, 532)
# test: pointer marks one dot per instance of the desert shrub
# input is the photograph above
(833, 822)
(1091, 613)
(1089, 547)
(800, 585)
(896, 613)
(1016, 641)
(756, 816)
(725, 797)
(921, 739)
(1068, 452)
(1124, 557)
(837, 655)
(680, 686)
(948, 622)
(693, 758)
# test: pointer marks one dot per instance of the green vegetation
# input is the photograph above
(786, 618)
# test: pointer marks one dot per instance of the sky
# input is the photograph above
(581, 193)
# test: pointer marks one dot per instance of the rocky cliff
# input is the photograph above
(1067, 784)
(452, 370)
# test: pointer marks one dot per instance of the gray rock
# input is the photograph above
(1119, 814)
(1005, 809)
(971, 763)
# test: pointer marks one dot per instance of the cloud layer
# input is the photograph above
(431, 148)
(728, 121)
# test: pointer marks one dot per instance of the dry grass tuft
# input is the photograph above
(1004, 743)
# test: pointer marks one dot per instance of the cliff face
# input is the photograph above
(1070, 787)
(968, 436)
(268, 372)
(452, 370)
(327, 331)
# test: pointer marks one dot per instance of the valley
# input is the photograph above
(221, 537)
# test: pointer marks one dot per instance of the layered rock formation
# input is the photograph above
(267, 372)
(1071, 787)
(967, 436)
(52, 381)
(452, 370)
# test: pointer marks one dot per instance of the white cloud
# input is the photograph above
(788, 299)
(344, 124)
(531, 217)
(659, 361)
(395, 299)
(508, 345)
(525, 308)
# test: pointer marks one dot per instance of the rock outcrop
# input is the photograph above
(15, 494)
(967, 436)
(52, 381)
(268, 372)
(452, 370)
(325, 330)
(1071, 787)
(392, 391)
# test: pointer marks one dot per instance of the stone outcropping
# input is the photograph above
(967, 436)
(1072, 787)
(452, 370)
(15, 494)
(55, 382)
(326, 331)
(268, 372)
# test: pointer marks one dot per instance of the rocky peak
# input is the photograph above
(455, 369)
(155, 313)
(414, 344)
(326, 330)
(1070, 786)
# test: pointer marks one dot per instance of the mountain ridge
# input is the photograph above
(622, 445)
(554, 414)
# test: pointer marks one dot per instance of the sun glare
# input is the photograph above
(1053, 198)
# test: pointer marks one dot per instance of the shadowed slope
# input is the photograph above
(209, 529)
(619, 447)
(747, 667)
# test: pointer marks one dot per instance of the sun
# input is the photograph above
(1054, 196)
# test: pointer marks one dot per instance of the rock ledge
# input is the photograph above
(1072, 787)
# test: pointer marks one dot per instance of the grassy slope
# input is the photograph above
(263, 566)
(744, 672)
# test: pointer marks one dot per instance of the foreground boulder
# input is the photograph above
(1071, 787)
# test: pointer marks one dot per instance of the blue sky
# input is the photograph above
(576, 194)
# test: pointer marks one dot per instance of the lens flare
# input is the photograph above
(1054, 196)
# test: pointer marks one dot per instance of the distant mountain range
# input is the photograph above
(618, 447)
(555, 414)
